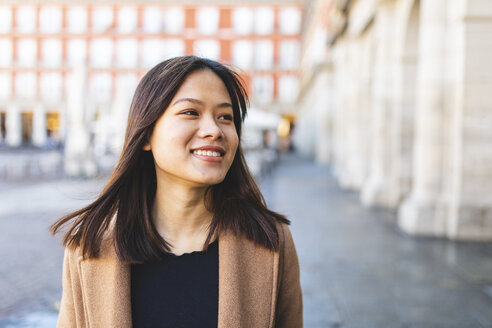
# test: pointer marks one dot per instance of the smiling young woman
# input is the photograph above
(181, 236)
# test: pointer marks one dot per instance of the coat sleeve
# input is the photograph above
(68, 316)
(289, 302)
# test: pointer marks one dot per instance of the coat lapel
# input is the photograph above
(247, 286)
(106, 286)
(247, 283)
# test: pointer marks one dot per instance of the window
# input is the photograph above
(288, 87)
(50, 19)
(26, 19)
(173, 48)
(262, 86)
(242, 20)
(25, 84)
(174, 20)
(152, 52)
(5, 19)
(77, 19)
(76, 51)
(290, 20)
(207, 20)
(127, 19)
(5, 85)
(155, 51)
(102, 52)
(100, 86)
(289, 54)
(207, 48)
(51, 51)
(127, 52)
(102, 18)
(264, 19)
(264, 54)
(26, 52)
(51, 86)
(126, 83)
(6, 53)
(242, 54)
(152, 19)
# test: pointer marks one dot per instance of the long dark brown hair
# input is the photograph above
(124, 205)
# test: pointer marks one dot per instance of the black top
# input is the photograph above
(178, 291)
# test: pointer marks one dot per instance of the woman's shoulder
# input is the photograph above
(107, 251)
(72, 253)
(104, 244)
(284, 234)
(287, 248)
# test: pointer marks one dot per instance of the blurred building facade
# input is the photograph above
(68, 69)
(395, 96)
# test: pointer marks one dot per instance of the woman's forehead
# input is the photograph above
(203, 85)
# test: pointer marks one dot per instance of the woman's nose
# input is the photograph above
(210, 129)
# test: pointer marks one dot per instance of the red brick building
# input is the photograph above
(117, 41)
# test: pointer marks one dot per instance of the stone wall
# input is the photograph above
(407, 97)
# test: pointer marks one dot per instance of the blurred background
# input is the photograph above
(370, 127)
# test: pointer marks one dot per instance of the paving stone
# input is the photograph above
(374, 274)
(358, 270)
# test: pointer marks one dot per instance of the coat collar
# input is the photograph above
(247, 286)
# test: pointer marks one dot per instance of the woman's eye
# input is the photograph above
(226, 117)
(190, 112)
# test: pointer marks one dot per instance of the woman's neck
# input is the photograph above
(180, 216)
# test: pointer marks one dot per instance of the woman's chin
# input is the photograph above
(210, 181)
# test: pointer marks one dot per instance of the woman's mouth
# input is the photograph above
(209, 153)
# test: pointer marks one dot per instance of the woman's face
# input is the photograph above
(195, 140)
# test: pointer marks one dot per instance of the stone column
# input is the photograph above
(405, 84)
(466, 200)
(79, 159)
(360, 107)
(119, 113)
(352, 112)
(39, 126)
(304, 134)
(13, 126)
(312, 134)
(376, 189)
(340, 55)
(324, 112)
(417, 214)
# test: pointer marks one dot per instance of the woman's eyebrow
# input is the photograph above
(199, 102)
(224, 105)
(192, 100)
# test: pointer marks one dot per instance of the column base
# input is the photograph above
(462, 222)
(468, 222)
(375, 193)
(417, 218)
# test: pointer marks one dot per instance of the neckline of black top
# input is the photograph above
(210, 247)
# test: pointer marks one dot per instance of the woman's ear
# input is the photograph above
(147, 137)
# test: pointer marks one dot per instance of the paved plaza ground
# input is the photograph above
(357, 269)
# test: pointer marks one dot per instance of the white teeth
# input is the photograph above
(207, 153)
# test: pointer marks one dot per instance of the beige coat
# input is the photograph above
(257, 287)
